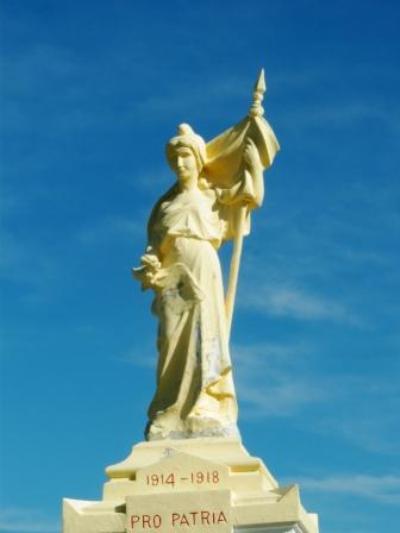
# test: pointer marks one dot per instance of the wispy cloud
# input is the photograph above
(292, 302)
(24, 262)
(270, 382)
(284, 398)
(311, 263)
(25, 520)
(382, 489)
(113, 227)
(369, 422)
(142, 358)
(288, 380)
(327, 111)
(67, 79)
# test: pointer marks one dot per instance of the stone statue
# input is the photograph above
(195, 473)
(218, 185)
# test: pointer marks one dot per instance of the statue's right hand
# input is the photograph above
(148, 272)
(150, 261)
(146, 276)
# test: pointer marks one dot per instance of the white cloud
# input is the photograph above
(337, 112)
(21, 520)
(292, 302)
(21, 261)
(142, 359)
(290, 380)
(383, 489)
(271, 380)
(114, 227)
(279, 399)
(370, 423)
(312, 264)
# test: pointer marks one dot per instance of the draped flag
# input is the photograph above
(225, 167)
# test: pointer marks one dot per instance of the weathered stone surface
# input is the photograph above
(194, 486)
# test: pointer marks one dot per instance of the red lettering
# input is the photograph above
(205, 518)
(146, 521)
(199, 477)
(184, 521)
(134, 520)
(194, 517)
(170, 479)
(157, 521)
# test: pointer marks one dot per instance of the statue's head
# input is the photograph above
(186, 153)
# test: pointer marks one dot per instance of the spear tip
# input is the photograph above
(260, 84)
(256, 109)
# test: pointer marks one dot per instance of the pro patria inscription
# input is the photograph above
(194, 512)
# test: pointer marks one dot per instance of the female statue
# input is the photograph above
(195, 394)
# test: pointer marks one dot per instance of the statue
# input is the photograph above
(217, 187)
(194, 472)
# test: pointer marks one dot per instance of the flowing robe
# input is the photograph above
(195, 394)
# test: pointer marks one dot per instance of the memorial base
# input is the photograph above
(194, 485)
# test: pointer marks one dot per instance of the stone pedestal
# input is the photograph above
(191, 486)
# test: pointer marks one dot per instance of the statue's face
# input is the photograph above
(184, 164)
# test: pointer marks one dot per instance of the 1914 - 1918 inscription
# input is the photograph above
(197, 477)
(180, 471)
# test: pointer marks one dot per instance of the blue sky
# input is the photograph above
(90, 93)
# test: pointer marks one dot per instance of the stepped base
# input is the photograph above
(194, 485)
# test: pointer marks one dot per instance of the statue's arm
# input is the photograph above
(148, 270)
(150, 261)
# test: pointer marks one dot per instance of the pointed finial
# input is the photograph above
(256, 109)
(260, 83)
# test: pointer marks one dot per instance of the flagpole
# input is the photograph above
(234, 270)
(256, 109)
